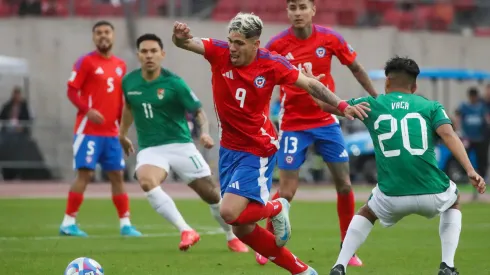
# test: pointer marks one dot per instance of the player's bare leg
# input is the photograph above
(75, 198)
(346, 204)
(244, 215)
(150, 177)
(208, 191)
(121, 202)
(449, 231)
(359, 228)
(288, 185)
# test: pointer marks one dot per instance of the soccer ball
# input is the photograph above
(84, 266)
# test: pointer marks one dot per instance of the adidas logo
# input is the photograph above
(235, 185)
(99, 71)
(344, 154)
(289, 56)
(228, 74)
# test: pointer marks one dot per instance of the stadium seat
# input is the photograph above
(464, 5)
(379, 6)
(422, 16)
(482, 31)
(326, 18)
(5, 10)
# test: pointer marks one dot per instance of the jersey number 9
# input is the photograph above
(240, 96)
(405, 134)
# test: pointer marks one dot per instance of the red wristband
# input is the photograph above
(342, 106)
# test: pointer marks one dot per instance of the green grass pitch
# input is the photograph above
(29, 242)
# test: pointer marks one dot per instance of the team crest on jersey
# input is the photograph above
(119, 71)
(320, 52)
(259, 81)
(160, 93)
(289, 159)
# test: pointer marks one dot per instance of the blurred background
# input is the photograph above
(450, 39)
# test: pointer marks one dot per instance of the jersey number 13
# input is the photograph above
(405, 134)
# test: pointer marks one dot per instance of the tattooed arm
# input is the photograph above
(202, 121)
(183, 39)
(316, 89)
(362, 77)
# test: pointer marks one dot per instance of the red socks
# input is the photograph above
(256, 212)
(121, 202)
(73, 203)
(269, 226)
(264, 243)
(346, 207)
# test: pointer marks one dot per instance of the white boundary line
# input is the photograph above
(46, 238)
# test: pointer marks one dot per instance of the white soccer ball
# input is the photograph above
(84, 266)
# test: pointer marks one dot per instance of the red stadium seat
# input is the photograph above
(482, 31)
(326, 18)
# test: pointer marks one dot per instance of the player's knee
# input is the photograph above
(147, 183)
(228, 214)
(287, 193)
(243, 230)
(456, 204)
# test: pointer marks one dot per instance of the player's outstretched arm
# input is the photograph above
(323, 95)
(183, 39)
(454, 144)
(362, 77)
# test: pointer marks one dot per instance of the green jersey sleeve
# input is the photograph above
(439, 116)
(187, 97)
(358, 100)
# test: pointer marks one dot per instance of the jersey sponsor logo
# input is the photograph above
(134, 93)
(234, 185)
(344, 154)
(99, 71)
(72, 76)
(320, 52)
(119, 71)
(160, 93)
(259, 81)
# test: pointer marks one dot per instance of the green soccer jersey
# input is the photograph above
(159, 108)
(402, 127)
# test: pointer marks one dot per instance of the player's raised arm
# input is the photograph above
(183, 38)
(454, 144)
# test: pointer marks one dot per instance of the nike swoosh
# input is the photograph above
(285, 236)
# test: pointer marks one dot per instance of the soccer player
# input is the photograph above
(243, 77)
(95, 89)
(158, 100)
(404, 127)
(302, 122)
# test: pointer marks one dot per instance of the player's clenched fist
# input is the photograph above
(207, 141)
(127, 145)
(95, 116)
(182, 31)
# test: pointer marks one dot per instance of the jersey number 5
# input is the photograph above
(405, 134)
(110, 84)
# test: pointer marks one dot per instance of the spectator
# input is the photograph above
(474, 118)
(30, 7)
(15, 116)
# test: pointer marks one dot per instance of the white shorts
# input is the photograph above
(390, 210)
(183, 158)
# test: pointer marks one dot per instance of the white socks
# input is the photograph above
(124, 222)
(226, 227)
(449, 230)
(68, 220)
(359, 229)
(165, 206)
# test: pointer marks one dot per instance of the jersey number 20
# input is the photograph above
(405, 134)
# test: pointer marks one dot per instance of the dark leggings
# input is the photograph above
(481, 151)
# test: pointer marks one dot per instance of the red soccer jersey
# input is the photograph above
(242, 96)
(299, 110)
(99, 81)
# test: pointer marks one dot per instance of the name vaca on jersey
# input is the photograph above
(400, 105)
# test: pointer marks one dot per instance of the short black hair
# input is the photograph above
(102, 23)
(289, 1)
(473, 92)
(404, 69)
(150, 37)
